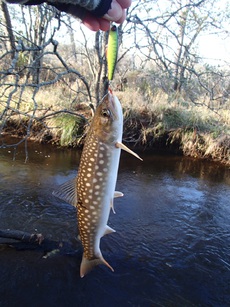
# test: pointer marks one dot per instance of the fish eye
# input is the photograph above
(105, 113)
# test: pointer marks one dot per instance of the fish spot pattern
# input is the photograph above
(91, 182)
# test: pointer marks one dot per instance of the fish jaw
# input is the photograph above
(107, 129)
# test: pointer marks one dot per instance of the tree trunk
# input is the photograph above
(9, 27)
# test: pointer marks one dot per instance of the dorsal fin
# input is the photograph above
(67, 192)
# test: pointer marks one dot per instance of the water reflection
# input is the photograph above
(172, 242)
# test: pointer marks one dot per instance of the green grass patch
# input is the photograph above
(67, 128)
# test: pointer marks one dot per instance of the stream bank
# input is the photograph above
(161, 131)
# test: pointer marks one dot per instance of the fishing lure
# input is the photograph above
(112, 51)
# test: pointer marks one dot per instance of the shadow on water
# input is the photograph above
(172, 242)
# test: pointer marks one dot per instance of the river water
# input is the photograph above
(171, 248)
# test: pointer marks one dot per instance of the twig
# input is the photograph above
(22, 236)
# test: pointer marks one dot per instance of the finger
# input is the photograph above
(124, 3)
(114, 13)
(95, 24)
(123, 17)
(104, 24)
(91, 22)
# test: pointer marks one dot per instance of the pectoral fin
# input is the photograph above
(125, 148)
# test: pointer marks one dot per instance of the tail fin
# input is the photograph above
(88, 265)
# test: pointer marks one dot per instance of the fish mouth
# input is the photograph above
(112, 105)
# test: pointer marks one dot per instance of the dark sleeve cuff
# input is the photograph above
(75, 10)
(102, 8)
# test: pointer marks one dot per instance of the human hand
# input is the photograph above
(116, 13)
(96, 19)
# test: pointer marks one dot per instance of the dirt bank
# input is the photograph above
(143, 131)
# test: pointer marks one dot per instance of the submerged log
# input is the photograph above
(21, 240)
(22, 236)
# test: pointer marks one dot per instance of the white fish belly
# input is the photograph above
(96, 196)
(110, 185)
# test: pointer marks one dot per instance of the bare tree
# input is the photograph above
(163, 35)
(8, 27)
(166, 35)
(36, 33)
(37, 67)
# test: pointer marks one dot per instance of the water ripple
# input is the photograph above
(172, 242)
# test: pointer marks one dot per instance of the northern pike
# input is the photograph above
(93, 190)
(112, 51)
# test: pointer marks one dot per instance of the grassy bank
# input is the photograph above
(193, 130)
(155, 124)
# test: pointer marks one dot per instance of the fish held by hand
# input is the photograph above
(93, 191)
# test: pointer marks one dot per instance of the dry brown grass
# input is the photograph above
(149, 121)
(195, 130)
